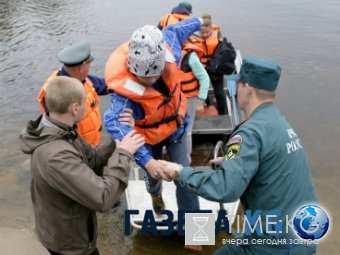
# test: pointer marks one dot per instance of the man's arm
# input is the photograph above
(118, 130)
(99, 85)
(69, 174)
(176, 34)
(181, 31)
(228, 183)
(97, 157)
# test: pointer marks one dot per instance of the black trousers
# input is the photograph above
(218, 86)
(95, 252)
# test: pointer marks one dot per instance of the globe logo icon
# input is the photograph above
(311, 222)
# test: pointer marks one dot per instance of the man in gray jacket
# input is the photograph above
(71, 180)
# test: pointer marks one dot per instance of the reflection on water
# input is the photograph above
(302, 35)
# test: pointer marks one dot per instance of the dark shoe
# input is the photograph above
(157, 203)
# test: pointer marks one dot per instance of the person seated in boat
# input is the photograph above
(207, 39)
(71, 180)
(76, 60)
(178, 13)
(142, 74)
(195, 85)
(265, 165)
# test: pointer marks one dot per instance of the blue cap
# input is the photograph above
(180, 10)
(186, 5)
(75, 54)
(259, 73)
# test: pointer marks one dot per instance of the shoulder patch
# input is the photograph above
(235, 139)
(232, 151)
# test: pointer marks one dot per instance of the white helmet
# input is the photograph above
(146, 52)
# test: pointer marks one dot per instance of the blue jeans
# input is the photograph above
(177, 152)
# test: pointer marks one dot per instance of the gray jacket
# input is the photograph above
(70, 182)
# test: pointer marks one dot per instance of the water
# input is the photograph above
(302, 35)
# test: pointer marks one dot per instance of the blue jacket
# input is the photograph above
(174, 36)
(177, 33)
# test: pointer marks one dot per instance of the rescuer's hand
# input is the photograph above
(156, 171)
(131, 142)
(172, 169)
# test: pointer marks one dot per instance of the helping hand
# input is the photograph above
(171, 168)
(158, 170)
(131, 142)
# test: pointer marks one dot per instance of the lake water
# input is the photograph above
(302, 36)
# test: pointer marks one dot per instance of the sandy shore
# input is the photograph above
(19, 241)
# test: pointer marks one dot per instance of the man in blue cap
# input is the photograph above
(265, 165)
(76, 60)
(178, 13)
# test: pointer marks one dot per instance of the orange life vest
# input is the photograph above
(163, 114)
(89, 127)
(172, 19)
(208, 45)
(189, 82)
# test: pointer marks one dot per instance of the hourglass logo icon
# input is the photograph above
(199, 229)
(200, 235)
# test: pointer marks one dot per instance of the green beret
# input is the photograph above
(259, 73)
(75, 54)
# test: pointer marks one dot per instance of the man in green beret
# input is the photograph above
(76, 60)
(265, 165)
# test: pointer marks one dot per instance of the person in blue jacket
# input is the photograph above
(145, 63)
(265, 165)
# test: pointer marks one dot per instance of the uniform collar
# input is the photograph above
(63, 72)
(239, 124)
(260, 107)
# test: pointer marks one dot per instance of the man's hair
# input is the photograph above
(264, 94)
(61, 92)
